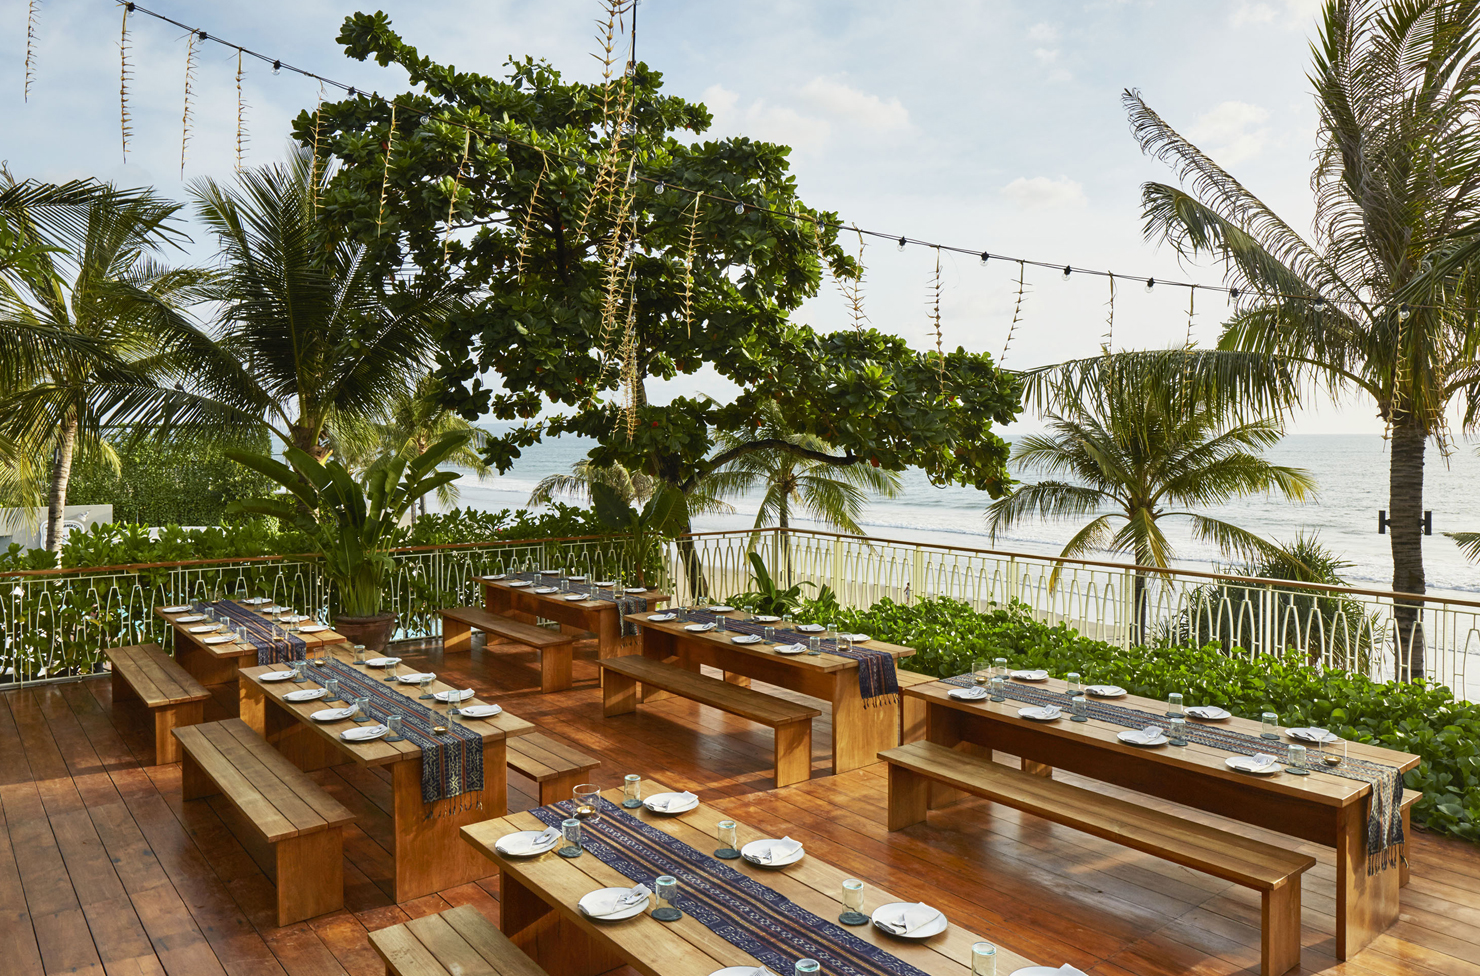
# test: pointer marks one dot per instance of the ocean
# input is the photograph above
(1351, 471)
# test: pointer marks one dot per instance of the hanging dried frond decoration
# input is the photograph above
(1187, 344)
(456, 184)
(313, 163)
(631, 379)
(1109, 344)
(615, 255)
(852, 288)
(189, 90)
(125, 126)
(688, 269)
(241, 113)
(31, 45)
(385, 173)
(933, 302)
(534, 206)
(1017, 314)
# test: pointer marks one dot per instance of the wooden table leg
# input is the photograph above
(204, 666)
(557, 944)
(945, 726)
(430, 853)
(289, 735)
(657, 645)
(252, 706)
(859, 732)
(1365, 904)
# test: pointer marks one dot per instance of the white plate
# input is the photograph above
(811, 628)
(699, 628)
(190, 618)
(295, 618)
(648, 802)
(256, 601)
(766, 618)
(1245, 764)
(545, 589)
(480, 711)
(637, 589)
(662, 618)
(1036, 714)
(274, 608)
(789, 649)
(1312, 735)
(1038, 971)
(575, 596)
(1033, 675)
(738, 971)
(1133, 737)
(184, 609)
(634, 910)
(925, 931)
(219, 639)
(497, 576)
(576, 579)
(305, 694)
(969, 694)
(1105, 691)
(721, 608)
(312, 628)
(859, 638)
(415, 677)
(756, 847)
(201, 628)
(498, 845)
(332, 714)
(520, 583)
(1210, 713)
(364, 733)
(746, 639)
(459, 694)
(380, 662)
(275, 676)
(605, 583)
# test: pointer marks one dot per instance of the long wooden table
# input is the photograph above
(217, 664)
(600, 617)
(1321, 808)
(429, 856)
(859, 733)
(538, 911)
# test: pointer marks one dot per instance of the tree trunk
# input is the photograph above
(61, 474)
(1405, 528)
(783, 525)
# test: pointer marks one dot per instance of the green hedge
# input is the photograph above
(1419, 718)
(184, 483)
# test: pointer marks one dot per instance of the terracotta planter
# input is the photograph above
(374, 632)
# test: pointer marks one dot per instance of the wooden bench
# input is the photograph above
(911, 710)
(173, 697)
(555, 649)
(555, 766)
(457, 942)
(292, 828)
(1272, 871)
(791, 722)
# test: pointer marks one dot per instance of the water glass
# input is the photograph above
(425, 684)
(331, 690)
(1178, 733)
(390, 670)
(570, 838)
(1080, 708)
(832, 628)
(722, 623)
(1000, 666)
(564, 585)
(807, 967)
(814, 644)
(844, 641)
(983, 959)
(631, 791)
(1072, 679)
(729, 840)
(997, 683)
(362, 710)
(853, 903)
(788, 622)
(454, 714)
(1174, 704)
(681, 614)
(359, 650)
(666, 888)
(768, 634)
(981, 671)
(393, 722)
(1295, 760)
(1270, 723)
(586, 797)
(300, 674)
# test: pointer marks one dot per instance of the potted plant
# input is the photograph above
(352, 523)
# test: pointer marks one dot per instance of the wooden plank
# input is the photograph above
(330, 810)
(540, 757)
(403, 952)
(745, 702)
(452, 952)
(538, 637)
(489, 942)
(235, 784)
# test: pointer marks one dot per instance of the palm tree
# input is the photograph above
(311, 335)
(416, 422)
(1135, 449)
(1383, 298)
(633, 487)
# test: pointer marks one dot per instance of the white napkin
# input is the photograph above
(1069, 970)
(747, 639)
(610, 902)
(968, 694)
(675, 800)
(1046, 712)
(811, 628)
(785, 847)
(1151, 733)
(1262, 760)
(526, 844)
(790, 648)
(700, 628)
(659, 618)
(857, 638)
(913, 917)
(1204, 711)
(447, 696)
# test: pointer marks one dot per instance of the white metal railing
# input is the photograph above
(1370, 631)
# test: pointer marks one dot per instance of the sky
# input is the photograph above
(994, 126)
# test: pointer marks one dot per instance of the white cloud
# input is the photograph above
(835, 99)
(1046, 55)
(1288, 14)
(808, 120)
(1231, 132)
(1044, 33)
(1042, 193)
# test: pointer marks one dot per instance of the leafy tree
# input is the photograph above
(556, 206)
(1135, 450)
(1382, 300)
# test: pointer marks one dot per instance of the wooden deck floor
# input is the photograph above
(103, 869)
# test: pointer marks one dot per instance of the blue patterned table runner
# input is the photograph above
(736, 907)
(270, 649)
(626, 603)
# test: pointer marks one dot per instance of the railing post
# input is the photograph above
(1130, 624)
(917, 574)
(837, 569)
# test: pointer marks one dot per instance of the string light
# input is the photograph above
(901, 243)
(1067, 271)
(658, 189)
(1150, 283)
(277, 67)
(740, 208)
(1403, 312)
(985, 257)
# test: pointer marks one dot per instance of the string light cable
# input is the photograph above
(1233, 292)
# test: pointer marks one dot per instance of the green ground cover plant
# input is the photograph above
(1419, 717)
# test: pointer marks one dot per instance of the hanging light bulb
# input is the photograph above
(277, 67)
(1150, 283)
(1319, 301)
(351, 93)
(581, 168)
(1233, 294)
(901, 243)
(632, 177)
(203, 35)
(1067, 271)
(740, 208)
(503, 145)
(659, 188)
(1403, 312)
(985, 256)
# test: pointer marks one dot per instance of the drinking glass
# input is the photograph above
(729, 840)
(585, 797)
(359, 650)
(331, 690)
(844, 641)
(570, 838)
(814, 644)
(1295, 760)
(832, 629)
(362, 710)
(853, 903)
(997, 684)
(300, 675)
(768, 633)
(983, 959)
(788, 622)
(1270, 722)
(681, 614)
(1178, 732)
(427, 678)
(722, 623)
(807, 967)
(564, 585)
(631, 791)
(666, 888)
(1331, 756)
(390, 670)
(1174, 704)
(981, 671)
(393, 722)
(1072, 679)
(1080, 708)
(454, 714)
(1320, 742)
(1000, 665)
